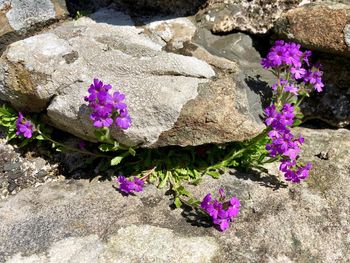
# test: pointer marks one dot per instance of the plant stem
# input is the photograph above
(234, 154)
(270, 160)
(73, 149)
(300, 101)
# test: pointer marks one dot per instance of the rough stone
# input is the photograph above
(175, 35)
(318, 26)
(256, 17)
(240, 48)
(174, 32)
(18, 18)
(157, 84)
(347, 35)
(279, 222)
(20, 172)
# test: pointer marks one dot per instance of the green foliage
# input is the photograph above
(116, 160)
(170, 167)
(8, 118)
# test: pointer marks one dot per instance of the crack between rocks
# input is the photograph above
(175, 74)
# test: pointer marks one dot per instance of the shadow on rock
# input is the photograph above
(261, 88)
(137, 8)
(263, 179)
(196, 218)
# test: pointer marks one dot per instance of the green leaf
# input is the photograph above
(106, 147)
(116, 160)
(182, 191)
(102, 134)
(153, 178)
(164, 180)
(193, 202)
(11, 135)
(132, 151)
(39, 137)
(297, 123)
(9, 119)
(194, 174)
(214, 174)
(177, 202)
(196, 181)
(181, 171)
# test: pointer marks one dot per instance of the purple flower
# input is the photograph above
(307, 54)
(283, 53)
(123, 120)
(208, 206)
(233, 209)
(117, 101)
(280, 83)
(222, 212)
(314, 77)
(24, 127)
(303, 171)
(291, 88)
(101, 121)
(287, 58)
(271, 114)
(276, 55)
(284, 144)
(295, 173)
(106, 106)
(292, 56)
(128, 186)
(295, 75)
(138, 184)
(266, 63)
(298, 73)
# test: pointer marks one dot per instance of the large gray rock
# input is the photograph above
(18, 18)
(81, 221)
(53, 70)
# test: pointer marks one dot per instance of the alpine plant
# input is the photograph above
(24, 127)
(296, 79)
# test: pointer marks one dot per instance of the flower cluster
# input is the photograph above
(285, 57)
(222, 212)
(130, 186)
(284, 143)
(295, 76)
(107, 108)
(24, 127)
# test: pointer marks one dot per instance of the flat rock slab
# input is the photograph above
(52, 71)
(78, 221)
